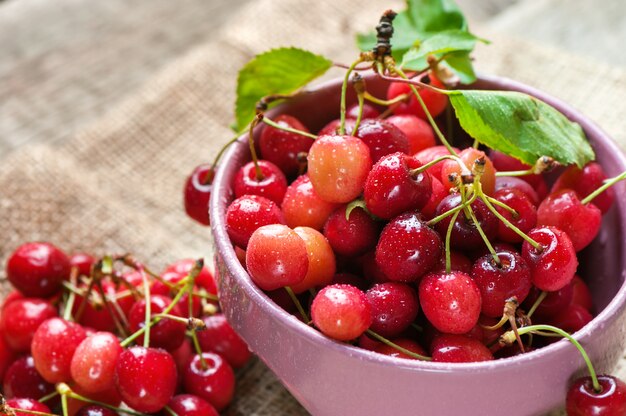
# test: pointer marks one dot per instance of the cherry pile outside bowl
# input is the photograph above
(332, 378)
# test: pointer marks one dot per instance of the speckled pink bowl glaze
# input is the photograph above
(332, 378)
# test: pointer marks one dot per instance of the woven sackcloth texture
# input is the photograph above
(117, 185)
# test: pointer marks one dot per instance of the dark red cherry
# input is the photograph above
(394, 307)
(167, 333)
(572, 318)
(198, 192)
(369, 111)
(418, 132)
(583, 400)
(190, 405)
(552, 304)
(525, 217)
(302, 206)
(83, 262)
(451, 348)
(435, 101)
(282, 147)
(7, 356)
(53, 347)
(407, 248)
(23, 380)
(272, 185)
(465, 234)
(458, 261)
(450, 301)
(247, 213)
(145, 378)
(582, 294)
(382, 138)
(341, 312)
(552, 267)
(351, 235)
(31, 405)
(215, 383)
(584, 181)
(220, 337)
(564, 211)
(391, 188)
(498, 283)
(20, 320)
(38, 269)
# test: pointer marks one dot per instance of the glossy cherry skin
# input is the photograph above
(302, 206)
(272, 185)
(95, 410)
(435, 101)
(94, 361)
(322, 262)
(53, 347)
(351, 236)
(394, 307)
(407, 248)
(220, 337)
(167, 333)
(553, 267)
(584, 182)
(418, 132)
(391, 188)
(498, 283)
(198, 192)
(282, 147)
(190, 405)
(20, 320)
(465, 234)
(27, 404)
(22, 380)
(145, 378)
(512, 182)
(450, 301)
(451, 348)
(369, 111)
(407, 344)
(38, 269)
(83, 262)
(525, 217)
(564, 211)
(382, 138)
(246, 214)
(338, 167)
(469, 156)
(341, 312)
(276, 257)
(583, 400)
(430, 154)
(215, 383)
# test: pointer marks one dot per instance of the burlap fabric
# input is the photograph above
(116, 186)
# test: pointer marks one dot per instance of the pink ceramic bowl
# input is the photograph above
(332, 378)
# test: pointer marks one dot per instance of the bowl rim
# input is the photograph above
(223, 246)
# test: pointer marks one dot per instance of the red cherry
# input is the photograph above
(190, 405)
(432, 153)
(391, 188)
(458, 262)
(31, 405)
(450, 348)
(341, 312)
(246, 214)
(220, 337)
(565, 211)
(53, 347)
(20, 320)
(145, 378)
(167, 333)
(435, 101)
(94, 361)
(95, 410)
(198, 192)
(282, 147)
(322, 264)
(525, 217)
(351, 236)
(583, 400)
(38, 269)
(552, 304)
(22, 380)
(83, 262)
(272, 186)
(572, 318)
(584, 182)
(302, 206)
(97, 316)
(7, 356)
(554, 266)
(369, 111)
(465, 234)
(338, 167)
(407, 248)
(450, 301)
(439, 192)
(276, 257)
(382, 138)
(215, 383)
(418, 132)
(332, 128)
(407, 344)
(512, 182)
(394, 307)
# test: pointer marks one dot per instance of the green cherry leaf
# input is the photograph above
(461, 64)
(440, 45)
(521, 126)
(278, 71)
(431, 16)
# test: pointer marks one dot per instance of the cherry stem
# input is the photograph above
(550, 328)
(484, 236)
(48, 396)
(369, 97)
(67, 312)
(344, 88)
(475, 144)
(64, 404)
(295, 300)
(360, 115)
(196, 346)
(499, 325)
(516, 332)
(255, 159)
(607, 184)
(448, 235)
(417, 327)
(146, 290)
(344, 66)
(396, 346)
(170, 411)
(288, 129)
(530, 171)
(223, 149)
(27, 412)
(423, 105)
(502, 205)
(66, 391)
(451, 212)
(538, 301)
(464, 169)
